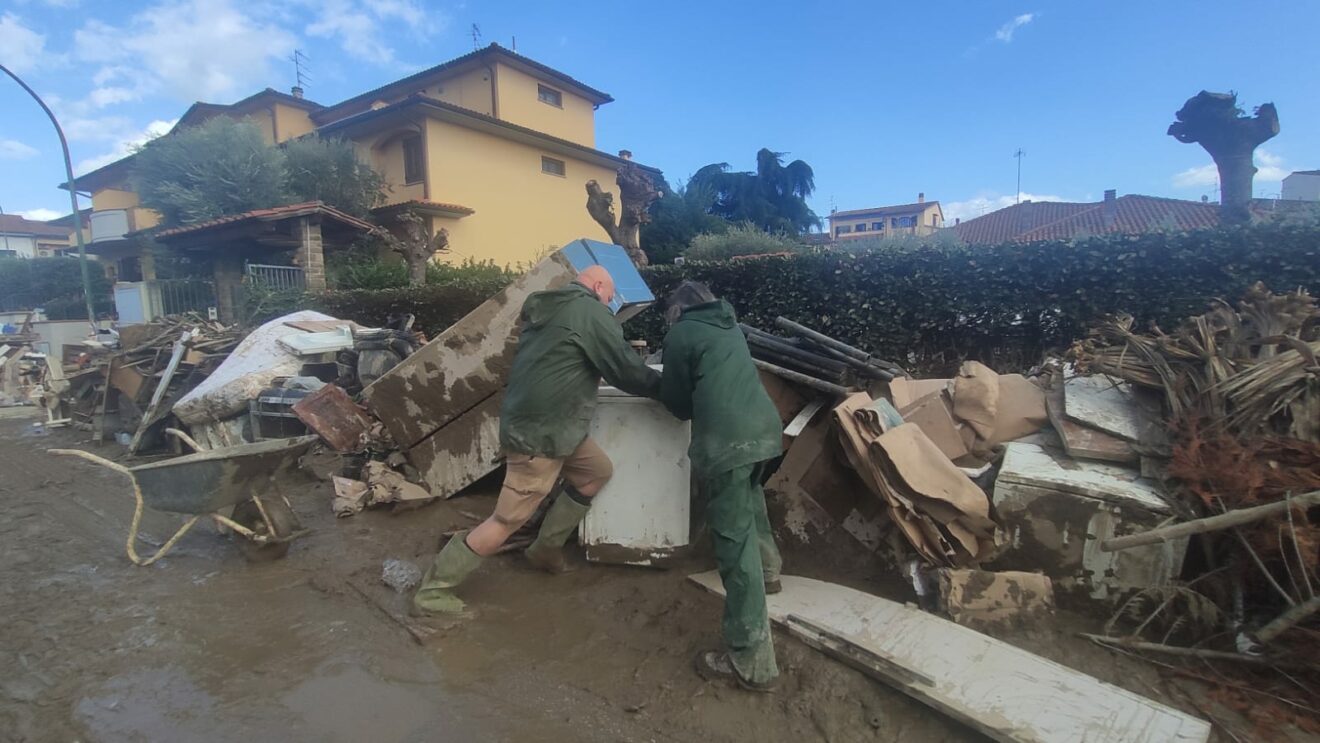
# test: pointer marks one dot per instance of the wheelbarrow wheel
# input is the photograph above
(281, 517)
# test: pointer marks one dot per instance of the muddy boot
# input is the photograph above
(568, 510)
(713, 664)
(435, 595)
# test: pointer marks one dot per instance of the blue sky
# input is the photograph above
(884, 100)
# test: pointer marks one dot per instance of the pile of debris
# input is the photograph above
(816, 360)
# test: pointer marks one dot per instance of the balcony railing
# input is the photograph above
(276, 277)
(110, 224)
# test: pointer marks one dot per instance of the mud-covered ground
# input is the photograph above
(204, 646)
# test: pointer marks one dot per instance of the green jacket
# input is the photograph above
(709, 379)
(569, 341)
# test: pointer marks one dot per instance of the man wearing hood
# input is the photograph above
(709, 379)
(569, 340)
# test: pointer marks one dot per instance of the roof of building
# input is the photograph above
(480, 55)
(1305, 172)
(425, 205)
(67, 219)
(899, 209)
(1131, 214)
(273, 214)
(201, 111)
(470, 117)
(14, 224)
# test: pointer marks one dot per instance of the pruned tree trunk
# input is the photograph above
(637, 192)
(1214, 121)
(418, 244)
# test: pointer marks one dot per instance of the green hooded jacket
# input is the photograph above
(709, 379)
(569, 341)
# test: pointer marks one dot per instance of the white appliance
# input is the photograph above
(642, 516)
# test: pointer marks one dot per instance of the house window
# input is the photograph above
(842, 230)
(860, 228)
(901, 222)
(877, 226)
(552, 166)
(550, 96)
(414, 165)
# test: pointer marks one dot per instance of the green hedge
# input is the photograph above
(932, 306)
(437, 306)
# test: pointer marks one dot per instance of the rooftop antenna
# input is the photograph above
(476, 37)
(1021, 153)
(300, 61)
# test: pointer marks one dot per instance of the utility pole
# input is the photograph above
(1021, 153)
(73, 195)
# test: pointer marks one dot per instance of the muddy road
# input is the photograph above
(203, 646)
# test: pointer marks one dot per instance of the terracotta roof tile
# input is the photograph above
(14, 224)
(269, 215)
(426, 204)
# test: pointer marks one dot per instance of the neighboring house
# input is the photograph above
(27, 238)
(492, 146)
(1302, 185)
(922, 218)
(1062, 220)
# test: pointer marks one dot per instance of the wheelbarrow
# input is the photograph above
(209, 482)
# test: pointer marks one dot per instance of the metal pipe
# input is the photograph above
(802, 379)
(821, 338)
(867, 370)
(784, 349)
(773, 357)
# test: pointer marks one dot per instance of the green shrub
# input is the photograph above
(363, 269)
(932, 306)
(471, 272)
(53, 284)
(743, 239)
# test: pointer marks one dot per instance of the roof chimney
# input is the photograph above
(297, 91)
(957, 221)
(1110, 208)
(625, 154)
(921, 197)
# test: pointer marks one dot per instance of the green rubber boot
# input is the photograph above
(449, 568)
(568, 510)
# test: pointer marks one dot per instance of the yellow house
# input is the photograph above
(492, 146)
(922, 218)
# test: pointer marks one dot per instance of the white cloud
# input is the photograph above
(194, 49)
(125, 145)
(21, 48)
(1006, 31)
(41, 215)
(12, 149)
(1205, 175)
(1270, 168)
(984, 203)
(362, 27)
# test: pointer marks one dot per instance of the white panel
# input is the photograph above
(643, 514)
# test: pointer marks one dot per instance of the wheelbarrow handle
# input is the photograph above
(137, 508)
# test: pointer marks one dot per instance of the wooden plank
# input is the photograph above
(1081, 441)
(150, 415)
(464, 451)
(464, 365)
(1105, 403)
(1002, 691)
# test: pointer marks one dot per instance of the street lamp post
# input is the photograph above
(73, 195)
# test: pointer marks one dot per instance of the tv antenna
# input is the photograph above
(1021, 153)
(476, 37)
(300, 61)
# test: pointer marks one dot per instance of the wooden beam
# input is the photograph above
(1212, 523)
(159, 394)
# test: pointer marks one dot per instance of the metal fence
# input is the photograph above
(185, 295)
(276, 277)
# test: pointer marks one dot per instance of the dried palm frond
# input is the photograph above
(1165, 612)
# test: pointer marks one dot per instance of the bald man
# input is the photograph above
(569, 340)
